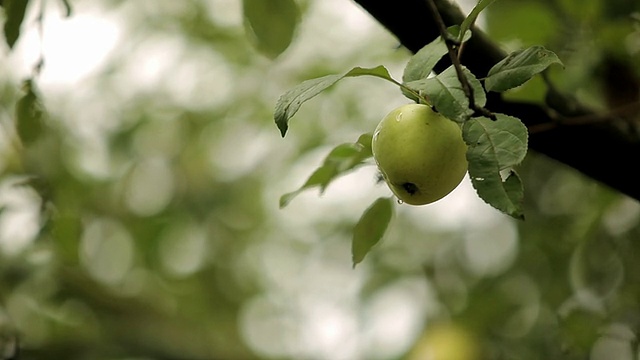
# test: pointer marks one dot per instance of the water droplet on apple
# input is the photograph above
(399, 116)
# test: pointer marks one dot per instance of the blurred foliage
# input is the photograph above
(139, 205)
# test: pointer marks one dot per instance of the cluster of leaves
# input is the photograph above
(495, 144)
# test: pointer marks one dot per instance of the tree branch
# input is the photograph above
(600, 150)
(453, 57)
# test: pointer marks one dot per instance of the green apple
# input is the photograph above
(420, 153)
(446, 342)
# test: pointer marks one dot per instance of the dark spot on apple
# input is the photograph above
(411, 188)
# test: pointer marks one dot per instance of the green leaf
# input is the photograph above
(446, 95)
(271, 24)
(495, 146)
(15, 11)
(518, 67)
(370, 228)
(473, 15)
(341, 159)
(289, 103)
(422, 63)
(515, 190)
(67, 8)
(505, 139)
(29, 114)
(365, 141)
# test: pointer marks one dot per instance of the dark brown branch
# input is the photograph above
(600, 150)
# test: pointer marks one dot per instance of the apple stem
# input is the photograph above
(453, 43)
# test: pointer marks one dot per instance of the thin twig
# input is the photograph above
(452, 43)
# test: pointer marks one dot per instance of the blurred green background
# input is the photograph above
(139, 212)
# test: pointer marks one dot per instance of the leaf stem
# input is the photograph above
(407, 89)
(452, 43)
(413, 92)
(404, 87)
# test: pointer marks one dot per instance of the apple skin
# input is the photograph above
(447, 342)
(420, 153)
